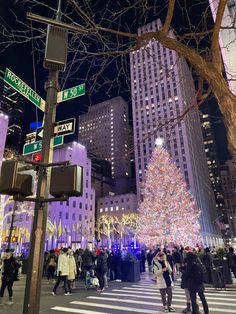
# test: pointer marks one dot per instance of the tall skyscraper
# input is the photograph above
(105, 132)
(3, 134)
(228, 176)
(163, 89)
(227, 40)
(11, 103)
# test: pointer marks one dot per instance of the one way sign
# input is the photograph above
(64, 127)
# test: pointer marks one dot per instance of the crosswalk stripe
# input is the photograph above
(148, 303)
(71, 310)
(180, 291)
(151, 297)
(116, 307)
(134, 291)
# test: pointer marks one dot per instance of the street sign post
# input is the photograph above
(71, 93)
(37, 146)
(64, 127)
(15, 82)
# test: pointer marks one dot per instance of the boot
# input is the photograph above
(188, 309)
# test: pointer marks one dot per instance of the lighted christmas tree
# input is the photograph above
(168, 213)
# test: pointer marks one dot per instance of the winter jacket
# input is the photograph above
(102, 263)
(72, 268)
(184, 278)
(191, 274)
(207, 259)
(177, 257)
(63, 265)
(149, 258)
(88, 258)
(231, 257)
(158, 273)
(10, 268)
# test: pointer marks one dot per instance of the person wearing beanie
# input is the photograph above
(194, 274)
(162, 272)
(62, 271)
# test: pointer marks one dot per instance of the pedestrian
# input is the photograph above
(111, 266)
(101, 269)
(170, 260)
(177, 257)
(51, 265)
(195, 274)
(149, 260)
(9, 274)
(143, 260)
(207, 260)
(231, 257)
(72, 271)
(88, 258)
(62, 271)
(118, 261)
(162, 272)
(184, 285)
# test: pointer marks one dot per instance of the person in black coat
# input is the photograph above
(195, 282)
(184, 285)
(9, 274)
(207, 260)
(149, 260)
(101, 269)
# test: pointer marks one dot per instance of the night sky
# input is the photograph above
(18, 58)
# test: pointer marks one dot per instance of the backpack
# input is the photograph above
(200, 273)
(52, 262)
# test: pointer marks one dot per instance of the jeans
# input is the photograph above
(187, 295)
(193, 296)
(64, 280)
(168, 292)
(101, 278)
(51, 271)
(6, 283)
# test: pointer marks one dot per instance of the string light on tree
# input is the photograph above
(168, 213)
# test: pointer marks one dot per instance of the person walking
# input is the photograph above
(149, 260)
(231, 257)
(9, 275)
(101, 269)
(162, 272)
(72, 271)
(177, 257)
(51, 265)
(184, 285)
(143, 260)
(62, 272)
(194, 274)
(207, 260)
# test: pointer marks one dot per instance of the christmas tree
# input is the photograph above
(168, 213)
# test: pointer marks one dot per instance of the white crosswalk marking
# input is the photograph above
(144, 297)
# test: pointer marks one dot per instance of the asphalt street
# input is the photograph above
(126, 298)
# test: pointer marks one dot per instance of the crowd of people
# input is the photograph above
(99, 266)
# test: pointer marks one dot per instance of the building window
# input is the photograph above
(80, 205)
(73, 216)
(80, 217)
(74, 204)
(67, 203)
(60, 215)
(67, 215)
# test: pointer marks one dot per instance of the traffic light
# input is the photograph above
(37, 157)
(66, 180)
(15, 180)
(14, 239)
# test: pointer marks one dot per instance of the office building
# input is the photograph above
(227, 40)
(162, 89)
(11, 104)
(3, 134)
(228, 177)
(105, 132)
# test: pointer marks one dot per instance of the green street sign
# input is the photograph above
(21, 87)
(71, 93)
(37, 146)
